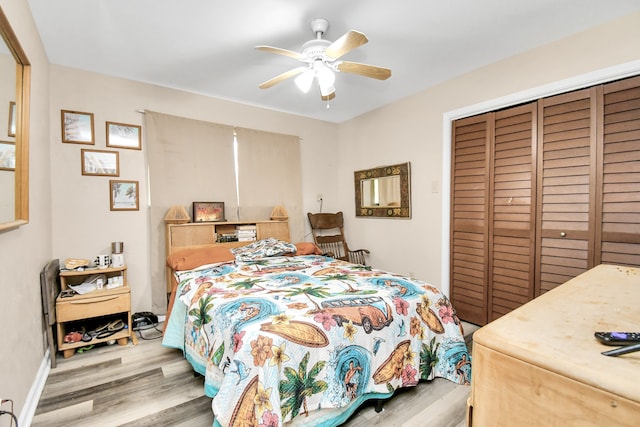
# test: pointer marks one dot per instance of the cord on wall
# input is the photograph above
(14, 419)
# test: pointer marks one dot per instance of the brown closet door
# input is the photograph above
(469, 217)
(512, 226)
(566, 147)
(618, 232)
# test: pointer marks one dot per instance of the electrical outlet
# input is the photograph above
(319, 197)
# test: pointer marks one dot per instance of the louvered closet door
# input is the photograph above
(512, 227)
(469, 218)
(566, 147)
(619, 219)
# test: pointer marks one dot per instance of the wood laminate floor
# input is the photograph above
(149, 385)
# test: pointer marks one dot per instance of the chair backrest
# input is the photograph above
(50, 288)
(328, 234)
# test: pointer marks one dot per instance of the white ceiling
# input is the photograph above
(207, 46)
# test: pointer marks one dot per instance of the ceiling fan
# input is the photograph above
(321, 59)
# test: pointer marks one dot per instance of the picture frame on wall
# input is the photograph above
(124, 195)
(77, 127)
(12, 119)
(208, 212)
(100, 162)
(122, 135)
(7, 156)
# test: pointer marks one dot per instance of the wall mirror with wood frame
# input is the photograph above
(14, 104)
(384, 192)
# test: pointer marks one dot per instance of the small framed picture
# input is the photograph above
(12, 119)
(120, 135)
(7, 156)
(77, 127)
(208, 211)
(124, 195)
(100, 162)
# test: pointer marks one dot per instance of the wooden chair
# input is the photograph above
(50, 288)
(328, 234)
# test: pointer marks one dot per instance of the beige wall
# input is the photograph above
(25, 251)
(76, 221)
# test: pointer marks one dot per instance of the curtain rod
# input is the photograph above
(234, 127)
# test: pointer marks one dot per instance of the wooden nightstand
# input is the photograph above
(97, 307)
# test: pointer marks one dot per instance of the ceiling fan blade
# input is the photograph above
(366, 70)
(328, 97)
(345, 44)
(280, 77)
(279, 51)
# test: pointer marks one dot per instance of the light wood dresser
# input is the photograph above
(540, 364)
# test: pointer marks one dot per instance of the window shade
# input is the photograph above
(269, 175)
(188, 160)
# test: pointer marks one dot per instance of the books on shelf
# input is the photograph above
(241, 233)
(246, 227)
(227, 237)
(246, 232)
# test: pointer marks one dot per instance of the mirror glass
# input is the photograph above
(384, 191)
(380, 192)
(7, 137)
(14, 89)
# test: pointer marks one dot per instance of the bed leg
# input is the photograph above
(379, 404)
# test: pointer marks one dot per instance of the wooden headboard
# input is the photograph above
(204, 234)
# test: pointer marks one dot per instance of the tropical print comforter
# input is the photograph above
(281, 338)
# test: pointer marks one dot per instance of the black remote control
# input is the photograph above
(622, 350)
(618, 338)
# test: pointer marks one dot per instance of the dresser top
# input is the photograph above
(555, 330)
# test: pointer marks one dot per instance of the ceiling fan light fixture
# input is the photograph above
(327, 90)
(326, 79)
(305, 80)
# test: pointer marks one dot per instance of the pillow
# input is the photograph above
(307, 248)
(262, 249)
(188, 259)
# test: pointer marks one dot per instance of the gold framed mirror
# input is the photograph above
(384, 192)
(14, 99)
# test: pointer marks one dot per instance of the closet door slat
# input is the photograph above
(566, 169)
(619, 217)
(469, 222)
(512, 225)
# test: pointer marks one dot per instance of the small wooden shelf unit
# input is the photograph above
(103, 305)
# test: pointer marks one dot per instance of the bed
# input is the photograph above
(286, 336)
